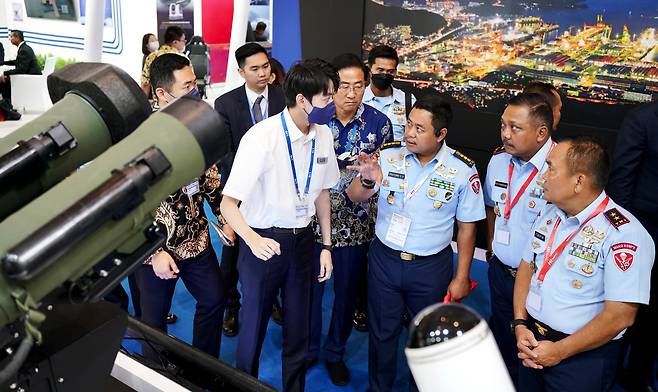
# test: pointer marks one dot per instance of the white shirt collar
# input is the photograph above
(252, 95)
(294, 132)
(21, 44)
(398, 95)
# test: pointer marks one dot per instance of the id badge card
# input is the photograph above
(533, 300)
(502, 235)
(301, 209)
(398, 229)
(192, 188)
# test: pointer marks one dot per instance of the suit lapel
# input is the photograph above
(245, 111)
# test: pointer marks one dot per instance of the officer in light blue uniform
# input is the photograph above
(512, 205)
(585, 269)
(423, 188)
(381, 94)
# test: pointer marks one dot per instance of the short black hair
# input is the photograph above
(538, 108)
(261, 26)
(163, 67)
(439, 108)
(18, 34)
(145, 42)
(173, 33)
(383, 51)
(350, 60)
(247, 50)
(278, 71)
(546, 90)
(588, 155)
(308, 77)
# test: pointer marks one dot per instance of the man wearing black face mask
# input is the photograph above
(282, 173)
(187, 251)
(395, 103)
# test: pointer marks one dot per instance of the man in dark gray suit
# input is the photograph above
(241, 108)
(633, 184)
(25, 63)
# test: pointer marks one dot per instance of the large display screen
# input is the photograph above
(51, 9)
(479, 52)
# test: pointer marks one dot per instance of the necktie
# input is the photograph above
(258, 113)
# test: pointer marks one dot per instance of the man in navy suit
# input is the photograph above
(633, 184)
(25, 63)
(241, 108)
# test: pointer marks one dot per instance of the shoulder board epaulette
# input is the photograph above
(499, 150)
(464, 158)
(615, 217)
(390, 145)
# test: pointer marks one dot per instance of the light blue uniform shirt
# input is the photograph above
(603, 262)
(450, 192)
(393, 107)
(524, 212)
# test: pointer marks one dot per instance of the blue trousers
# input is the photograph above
(501, 286)
(203, 279)
(396, 286)
(348, 261)
(590, 371)
(260, 280)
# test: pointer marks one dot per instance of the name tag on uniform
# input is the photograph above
(192, 188)
(533, 300)
(502, 236)
(398, 230)
(301, 210)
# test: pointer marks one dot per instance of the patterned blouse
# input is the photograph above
(354, 223)
(182, 214)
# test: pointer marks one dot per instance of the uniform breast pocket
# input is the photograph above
(394, 181)
(440, 197)
(498, 195)
(583, 259)
(538, 245)
(533, 206)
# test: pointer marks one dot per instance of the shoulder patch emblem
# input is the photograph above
(615, 217)
(499, 150)
(464, 158)
(390, 145)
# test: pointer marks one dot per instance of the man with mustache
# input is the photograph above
(513, 197)
(424, 187)
(584, 272)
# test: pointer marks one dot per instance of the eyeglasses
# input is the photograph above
(345, 88)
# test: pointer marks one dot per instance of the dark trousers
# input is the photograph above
(260, 280)
(5, 89)
(590, 371)
(348, 262)
(396, 286)
(501, 286)
(230, 275)
(203, 279)
(119, 296)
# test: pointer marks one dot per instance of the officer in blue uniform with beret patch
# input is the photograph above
(423, 188)
(583, 274)
(513, 196)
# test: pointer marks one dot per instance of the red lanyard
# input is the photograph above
(509, 204)
(549, 258)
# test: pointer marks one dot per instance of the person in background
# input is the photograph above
(187, 252)
(550, 95)
(584, 272)
(174, 42)
(356, 128)
(2, 52)
(260, 32)
(150, 44)
(242, 108)
(634, 185)
(25, 64)
(278, 74)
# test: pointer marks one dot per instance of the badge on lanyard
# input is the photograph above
(534, 299)
(301, 205)
(398, 229)
(502, 235)
(192, 188)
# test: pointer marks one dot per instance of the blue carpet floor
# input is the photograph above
(356, 356)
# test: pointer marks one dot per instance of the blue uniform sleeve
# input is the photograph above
(628, 262)
(488, 184)
(471, 203)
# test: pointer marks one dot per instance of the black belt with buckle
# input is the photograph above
(284, 230)
(510, 270)
(545, 331)
(406, 256)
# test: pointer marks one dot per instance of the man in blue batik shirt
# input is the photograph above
(424, 187)
(584, 272)
(356, 128)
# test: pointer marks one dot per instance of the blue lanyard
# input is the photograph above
(292, 162)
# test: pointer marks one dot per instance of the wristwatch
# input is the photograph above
(330, 248)
(516, 322)
(368, 184)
